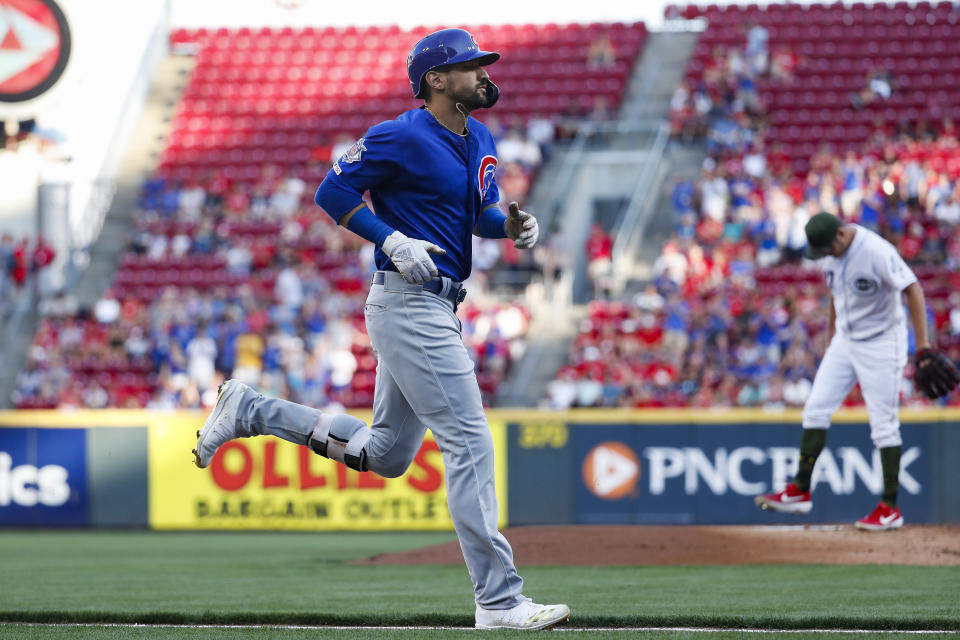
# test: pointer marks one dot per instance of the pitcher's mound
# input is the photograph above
(932, 545)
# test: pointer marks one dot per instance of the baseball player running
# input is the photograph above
(430, 174)
(866, 343)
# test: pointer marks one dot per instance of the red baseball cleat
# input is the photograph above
(790, 500)
(883, 518)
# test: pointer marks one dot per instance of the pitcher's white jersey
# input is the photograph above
(866, 283)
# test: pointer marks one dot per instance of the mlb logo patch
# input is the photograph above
(354, 153)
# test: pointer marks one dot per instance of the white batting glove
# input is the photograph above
(521, 227)
(412, 257)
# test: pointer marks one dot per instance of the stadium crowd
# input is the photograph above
(22, 264)
(722, 104)
(244, 276)
(234, 272)
(735, 315)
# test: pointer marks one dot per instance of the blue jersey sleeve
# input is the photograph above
(373, 161)
(490, 224)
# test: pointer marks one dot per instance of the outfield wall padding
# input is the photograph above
(134, 469)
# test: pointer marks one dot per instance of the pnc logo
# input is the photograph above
(611, 470)
(27, 486)
(34, 48)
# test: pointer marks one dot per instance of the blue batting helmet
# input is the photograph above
(447, 46)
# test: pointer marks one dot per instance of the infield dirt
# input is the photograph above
(929, 545)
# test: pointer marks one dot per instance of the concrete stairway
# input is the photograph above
(657, 74)
(660, 68)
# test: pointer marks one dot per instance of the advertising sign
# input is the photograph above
(709, 474)
(43, 477)
(34, 48)
(267, 483)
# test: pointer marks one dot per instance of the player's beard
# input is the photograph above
(473, 100)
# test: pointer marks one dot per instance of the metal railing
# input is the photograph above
(588, 133)
(641, 142)
(635, 217)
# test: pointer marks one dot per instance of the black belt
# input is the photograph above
(455, 293)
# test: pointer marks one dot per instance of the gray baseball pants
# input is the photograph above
(425, 380)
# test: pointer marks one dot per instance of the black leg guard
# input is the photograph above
(341, 438)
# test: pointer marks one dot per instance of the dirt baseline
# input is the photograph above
(930, 545)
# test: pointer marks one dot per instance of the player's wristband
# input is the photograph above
(340, 201)
(490, 223)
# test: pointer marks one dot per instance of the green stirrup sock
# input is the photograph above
(890, 461)
(811, 444)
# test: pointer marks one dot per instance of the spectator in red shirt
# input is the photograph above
(599, 252)
(784, 63)
(43, 254)
(20, 267)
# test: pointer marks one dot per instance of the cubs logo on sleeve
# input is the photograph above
(488, 167)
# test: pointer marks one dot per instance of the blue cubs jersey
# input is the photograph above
(424, 181)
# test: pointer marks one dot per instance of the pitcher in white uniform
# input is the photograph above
(866, 343)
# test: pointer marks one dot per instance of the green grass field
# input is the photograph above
(24, 632)
(249, 578)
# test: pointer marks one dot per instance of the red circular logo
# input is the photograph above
(611, 470)
(34, 48)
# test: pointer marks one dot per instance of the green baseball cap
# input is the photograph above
(821, 229)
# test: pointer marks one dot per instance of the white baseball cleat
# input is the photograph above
(526, 615)
(221, 424)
